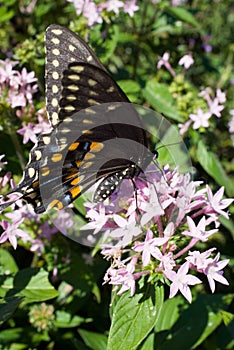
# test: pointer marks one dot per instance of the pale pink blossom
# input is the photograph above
(181, 281)
(186, 61)
(200, 119)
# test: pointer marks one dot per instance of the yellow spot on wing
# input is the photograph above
(89, 156)
(38, 155)
(54, 89)
(75, 181)
(55, 63)
(57, 31)
(87, 165)
(54, 102)
(46, 140)
(56, 41)
(73, 87)
(56, 204)
(96, 146)
(78, 163)
(87, 132)
(55, 75)
(73, 77)
(31, 172)
(75, 192)
(87, 121)
(77, 69)
(91, 82)
(93, 102)
(71, 48)
(56, 157)
(73, 146)
(54, 118)
(45, 171)
(56, 52)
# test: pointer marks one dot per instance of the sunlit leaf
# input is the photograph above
(133, 318)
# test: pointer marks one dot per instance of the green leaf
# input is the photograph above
(7, 263)
(149, 343)
(182, 14)
(129, 86)
(183, 326)
(170, 313)
(5, 14)
(161, 99)
(11, 335)
(95, 341)
(66, 320)
(211, 164)
(134, 317)
(8, 307)
(171, 151)
(30, 283)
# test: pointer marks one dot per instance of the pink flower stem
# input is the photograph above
(185, 249)
(169, 68)
(160, 227)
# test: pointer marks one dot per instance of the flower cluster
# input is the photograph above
(212, 106)
(94, 12)
(154, 232)
(201, 117)
(30, 130)
(16, 88)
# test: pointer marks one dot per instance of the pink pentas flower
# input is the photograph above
(99, 219)
(149, 247)
(92, 12)
(181, 281)
(16, 87)
(37, 246)
(216, 203)
(16, 99)
(167, 261)
(153, 208)
(214, 272)
(43, 126)
(163, 60)
(215, 108)
(114, 5)
(221, 96)
(127, 229)
(198, 232)
(200, 119)
(79, 5)
(27, 78)
(184, 127)
(199, 260)
(144, 241)
(186, 61)
(28, 132)
(5, 180)
(130, 7)
(6, 70)
(11, 232)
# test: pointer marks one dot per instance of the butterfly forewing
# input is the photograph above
(66, 162)
(64, 52)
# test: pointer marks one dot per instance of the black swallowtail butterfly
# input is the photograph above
(75, 81)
